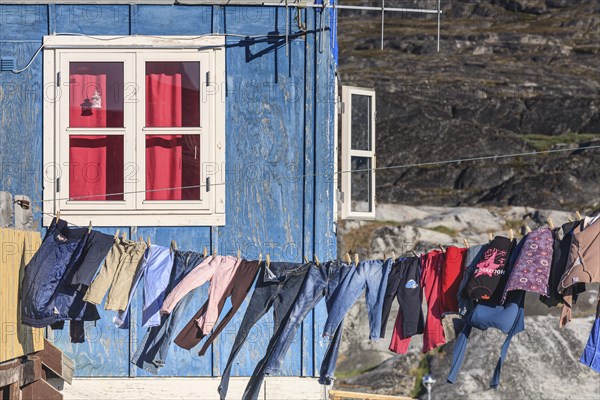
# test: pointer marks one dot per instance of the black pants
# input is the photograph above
(276, 287)
(403, 284)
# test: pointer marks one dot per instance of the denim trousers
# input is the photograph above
(321, 281)
(154, 347)
(372, 275)
(276, 287)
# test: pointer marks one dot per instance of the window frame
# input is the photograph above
(134, 210)
(347, 152)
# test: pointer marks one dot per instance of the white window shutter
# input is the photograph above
(358, 153)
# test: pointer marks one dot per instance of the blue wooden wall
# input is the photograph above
(279, 127)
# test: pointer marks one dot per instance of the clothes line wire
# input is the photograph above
(392, 167)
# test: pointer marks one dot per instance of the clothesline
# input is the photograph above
(463, 288)
(391, 167)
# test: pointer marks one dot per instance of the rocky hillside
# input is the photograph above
(512, 76)
(542, 361)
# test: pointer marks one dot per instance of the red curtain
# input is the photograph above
(96, 168)
(96, 95)
(96, 101)
(172, 161)
(172, 94)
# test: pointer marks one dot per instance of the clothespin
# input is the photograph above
(511, 234)
(415, 254)
(260, 258)
(173, 245)
(141, 239)
(348, 259)
(527, 229)
(268, 260)
(570, 219)
(441, 247)
(466, 242)
(57, 216)
(124, 235)
(305, 260)
(356, 260)
(205, 252)
(117, 234)
(149, 242)
(215, 252)
(393, 254)
(239, 254)
(550, 223)
(317, 260)
(578, 215)
(90, 227)
(25, 205)
(490, 236)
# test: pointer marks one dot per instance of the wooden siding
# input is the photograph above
(279, 126)
(16, 339)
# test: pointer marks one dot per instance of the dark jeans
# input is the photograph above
(277, 286)
(154, 347)
(321, 281)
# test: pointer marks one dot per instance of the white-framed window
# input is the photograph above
(358, 153)
(134, 130)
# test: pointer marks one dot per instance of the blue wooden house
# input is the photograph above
(211, 123)
(232, 149)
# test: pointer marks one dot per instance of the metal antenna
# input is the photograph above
(383, 21)
(439, 16)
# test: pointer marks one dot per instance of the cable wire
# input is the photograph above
(392, 167)
(265, 36)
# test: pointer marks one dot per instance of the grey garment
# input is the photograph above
(473, 256)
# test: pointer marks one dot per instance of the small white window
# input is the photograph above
(358, 153)
(135, 135)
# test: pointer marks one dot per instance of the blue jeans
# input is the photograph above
(154, 347)
(372, 275)
(322, 281)
(276, 287)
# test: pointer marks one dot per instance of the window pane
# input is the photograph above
(173, 94)
(173, 164)
(361, 122)
(361, 184)
(96, 168)
(96, 95)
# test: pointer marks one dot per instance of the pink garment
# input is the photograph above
(202, 273)
(218, 292)
(219, 271)
(430, 281)
(399, 343)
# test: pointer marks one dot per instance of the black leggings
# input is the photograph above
(404, 284)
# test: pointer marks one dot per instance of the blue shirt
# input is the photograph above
(156, 270)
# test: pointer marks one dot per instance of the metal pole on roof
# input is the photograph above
(287, 29)
(439, 23)
(382, 20)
